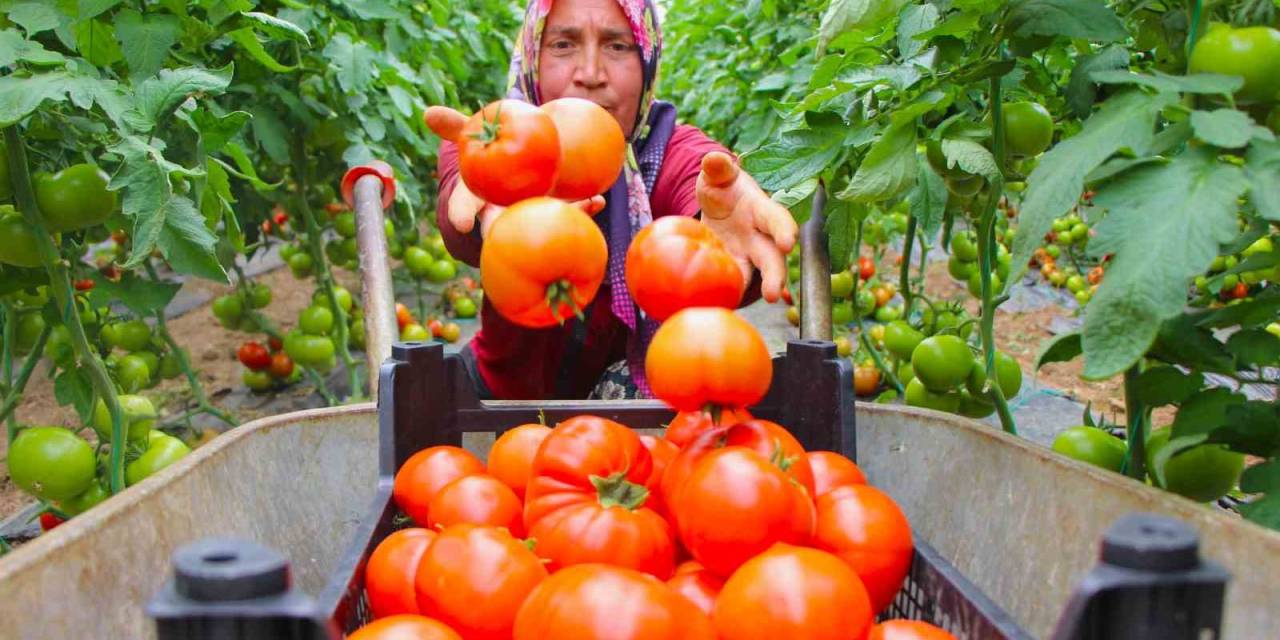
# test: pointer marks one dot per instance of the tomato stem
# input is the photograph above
(560, 293)
(1135, 457)
(986, 260)
(60, 286)
(617, 491)
(15, 389)
(490, 129)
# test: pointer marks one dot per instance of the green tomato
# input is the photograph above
(1219, 263)
(133, 335)
(350, 250)
(960, 269)
(27, 331)
(228, 309)
(138, 413)
(316, 320)
(1251, 53)
(1261, 245)
(51, 463)
(901, 339)
(1093, 446)
(942, 362)
(1061, 224)
(975, 283)
(1253, 277)
(132, 373)
(18, 240)
(152, 360)
(256, 380)
(442, 270)
(414, 332)
(1008, 375)
(965, 186)
(1065, 238)
(1083, 297)
(162, 451)
(973, 407)
(1274, 329)
(1230, 281)
(1028, 128)
(841, 284)
(288, 251)
(964, 246)
(905, 372)
(345, 302)
(59, 348)
(1230, 262)
(435, 245)
(75, 198)
(1076, 283)
(345, 224)
(917, 395)
(170, 366)
(793, 273)
(1053, 251)
(395, 249)
(464, 307)
(86, 500)
(1079, 230)
(356, 335)
(259, 295)
(842, 313)
(1204, 473)
(418, 261)
(888, 313)
(866, 302)
(307, 350)
(1058, 278)
(301, 265)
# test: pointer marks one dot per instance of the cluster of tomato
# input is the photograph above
(721, 528)
(1228, 283)
(57, 466)
(72, 199)
(872, 300)
(413, 331)
(230, 309)
(266, 369)
(1070, 234)
(963, 265)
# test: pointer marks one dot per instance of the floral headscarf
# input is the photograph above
(628, 202)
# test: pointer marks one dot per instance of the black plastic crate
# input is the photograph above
(1151, 583)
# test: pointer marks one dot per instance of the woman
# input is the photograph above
(607, 51)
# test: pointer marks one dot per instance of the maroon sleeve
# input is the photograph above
(462, 246)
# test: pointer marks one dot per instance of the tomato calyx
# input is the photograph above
(560, 293)
(617, 491)
(489, 129)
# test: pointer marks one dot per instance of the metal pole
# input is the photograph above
(375, 271)
(815, 273)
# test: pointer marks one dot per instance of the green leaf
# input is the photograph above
(1188, 209)
(35, 17)
(20, 96)
(146, 40)
(1262, 164)
(73, 387)
(372, 9)
(96, 40)
(888, 169)
(140, 295)
(928, 199)
(1254, 347)
(14, 48)
(354, 63)
(91, 8)
(915, 19)
(216, 131)
(958, 24)
(1181, 340)
(1226, 128)
(244, 168)
(1202, 413)
(158, 96)
(842, 229)
(272, 134)
(1195, 83)
(797, 194)
(218, 195)
(1124, 121)
(795, 156)
(847, 15)
(1063, 348)
(247, 38)
(277, 27)
(1261, 477)
(1159, 386)
(1265, 511)
(187, 243)
(1251, 428)
(1084, 19)
(1082, 90)
(972, 158)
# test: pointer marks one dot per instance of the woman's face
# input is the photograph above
(588, 51)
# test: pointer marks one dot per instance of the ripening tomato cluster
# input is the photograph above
(1227, 283)
(413, 331)
(267, 369)
(1070, 234)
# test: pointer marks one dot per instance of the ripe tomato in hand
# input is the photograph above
(425, 473)
(587, 499)
(831, 470)
(592, 148)
(511, 457)
(676, 263)
(735, 504)
(390, 572)
(508, 152)
(476, 499)
(697, 585)
(404, 627)
(792, 592)
(474, 578)
(542, 262)
(866, 529)
(254, 356)
(907, 630)
(708, 356)
(602, 601)
(688, 425)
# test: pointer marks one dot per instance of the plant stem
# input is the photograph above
(15, 392)
(904, 275)
(321, 387)
(986, 261)
(60, 286)
(1135, 456)
(193, 381)
(10, 319)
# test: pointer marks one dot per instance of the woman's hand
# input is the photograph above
(465, 207)
(754, 228)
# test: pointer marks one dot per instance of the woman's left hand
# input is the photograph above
(754, 228)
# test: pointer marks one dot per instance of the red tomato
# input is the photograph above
(831, 470)
(84, 285)
(254, 356)
(907, 630)
(476, 499)
(592, 148)
(770, 440)
(281, 365)
(474, 578)
(587, 499)
(866, 529)
(708, 356)
(735, 504)
(275, 343)
(508, 152)
(676, 263)
(596, 601)
(280, 217)
(697, 585)
(436, 327)
(792, 592)
(511, 458)
(403, 316)
(786, 296)
(688, 425)
(866, 268)
(427, 472)
(389, 574)
(405, 627)
(663, 452)
(49, 522)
